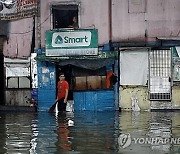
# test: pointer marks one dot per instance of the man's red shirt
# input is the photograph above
(62, 86)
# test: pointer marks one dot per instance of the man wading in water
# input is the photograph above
(62, 94)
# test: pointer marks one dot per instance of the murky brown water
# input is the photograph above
(90, 132)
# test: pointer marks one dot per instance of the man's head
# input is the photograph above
(74, 19)
(61, 76)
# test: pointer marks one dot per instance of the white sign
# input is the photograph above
(72, 52)
(17, 71)
(71, 39)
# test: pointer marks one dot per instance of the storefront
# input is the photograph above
(149, 78)
(87, 69)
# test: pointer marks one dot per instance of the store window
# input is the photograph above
(18, 82)
(85, 79)
(65, 16)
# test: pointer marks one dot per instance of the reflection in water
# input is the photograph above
(151, 132)
(46, 133)
(2, 134)
(18, 132)
(63, 132)
(33, 142)
(160, 127)
(95, 132)
(88, 132)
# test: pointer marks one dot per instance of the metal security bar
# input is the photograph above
(160, 75)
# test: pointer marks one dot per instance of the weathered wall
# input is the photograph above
(18, 97)
(133, 19)
(162, 18)
(19, 39)
(126, 93)
(126, 26)
(93, 14)
(176, 96)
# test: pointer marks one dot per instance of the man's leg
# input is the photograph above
(61, 104)
(64, 106)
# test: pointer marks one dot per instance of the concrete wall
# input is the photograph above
(93, 14)
(132, 20)
(139, 20)
(126, 93)
(176, 96)
(18, 97)
(18, 44)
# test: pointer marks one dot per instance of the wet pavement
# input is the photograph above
(90, 132)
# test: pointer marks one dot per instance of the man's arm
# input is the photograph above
(66, 96)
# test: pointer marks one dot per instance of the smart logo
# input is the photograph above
(58, 40)
(71, 39)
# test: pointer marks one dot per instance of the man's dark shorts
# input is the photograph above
(61, 105)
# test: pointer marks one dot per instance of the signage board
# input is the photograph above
(72, 42)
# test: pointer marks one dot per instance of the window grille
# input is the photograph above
(160, 75)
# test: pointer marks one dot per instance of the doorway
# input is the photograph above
(67, 70)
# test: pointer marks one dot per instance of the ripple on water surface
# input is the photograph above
(87, 132)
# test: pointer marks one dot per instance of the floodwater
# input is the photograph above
(90, 132)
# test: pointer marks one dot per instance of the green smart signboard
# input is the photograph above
(72, 42)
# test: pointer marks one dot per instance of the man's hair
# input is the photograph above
(61, 74)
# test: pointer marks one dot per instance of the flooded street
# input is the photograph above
(90, 132)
